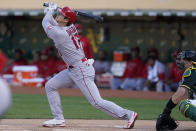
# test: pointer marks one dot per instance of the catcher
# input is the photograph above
(186, 60)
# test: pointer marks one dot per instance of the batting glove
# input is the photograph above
(90, 61)
(52, 5)
(48, 9)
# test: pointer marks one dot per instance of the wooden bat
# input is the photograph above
(87, 15)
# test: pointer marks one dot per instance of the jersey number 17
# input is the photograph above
(76, 40)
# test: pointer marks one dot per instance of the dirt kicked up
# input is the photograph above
(85, 125)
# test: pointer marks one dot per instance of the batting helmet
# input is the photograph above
(69, 14)
(189, 55)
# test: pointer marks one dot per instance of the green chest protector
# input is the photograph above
(188, 107)
(189, 81)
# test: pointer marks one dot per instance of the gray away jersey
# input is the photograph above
(66, 39)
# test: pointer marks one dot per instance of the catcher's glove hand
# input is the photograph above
(165, 122)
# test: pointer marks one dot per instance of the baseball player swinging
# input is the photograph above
(187, 60)
(80, 70)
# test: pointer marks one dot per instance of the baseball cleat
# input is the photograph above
(131, 120)
(54, 123)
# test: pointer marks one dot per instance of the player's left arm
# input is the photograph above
(182, 90)
(179, 95)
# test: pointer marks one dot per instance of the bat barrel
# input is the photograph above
(96, 18)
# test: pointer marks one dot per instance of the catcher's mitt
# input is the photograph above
(165, 122)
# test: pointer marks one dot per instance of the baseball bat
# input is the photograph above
(80, 13)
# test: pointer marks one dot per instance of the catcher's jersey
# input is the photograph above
(189, 80)
(66, 39)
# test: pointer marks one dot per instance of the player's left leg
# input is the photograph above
(60, 80)
(188, 109)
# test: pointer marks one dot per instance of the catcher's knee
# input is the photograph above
(188, 109)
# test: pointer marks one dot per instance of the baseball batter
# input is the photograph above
(80, 70)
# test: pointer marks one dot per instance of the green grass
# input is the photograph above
(36, 106)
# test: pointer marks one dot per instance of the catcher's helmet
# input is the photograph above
(69, 14)
(188, 55)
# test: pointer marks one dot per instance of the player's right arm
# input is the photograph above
(50, 29)
(48, 21)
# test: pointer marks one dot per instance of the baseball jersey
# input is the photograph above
(88, 51)
(175, 74)
(3, 61)
(66, 39)
(133, 69)
(155, 73)
(189, 80)
(14, 63)
(45, 67)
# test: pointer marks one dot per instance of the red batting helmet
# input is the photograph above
(69, 14)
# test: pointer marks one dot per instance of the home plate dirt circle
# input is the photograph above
(86, 125)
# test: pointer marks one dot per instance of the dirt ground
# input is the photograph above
(89, 125)
(85, 125)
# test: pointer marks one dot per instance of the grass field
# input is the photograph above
(36, 106)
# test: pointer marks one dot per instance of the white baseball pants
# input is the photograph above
(83, 76)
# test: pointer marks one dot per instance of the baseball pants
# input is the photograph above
(83, 76)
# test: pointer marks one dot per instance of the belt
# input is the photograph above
(83, 60)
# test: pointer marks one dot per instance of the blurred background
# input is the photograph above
(134, 48)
